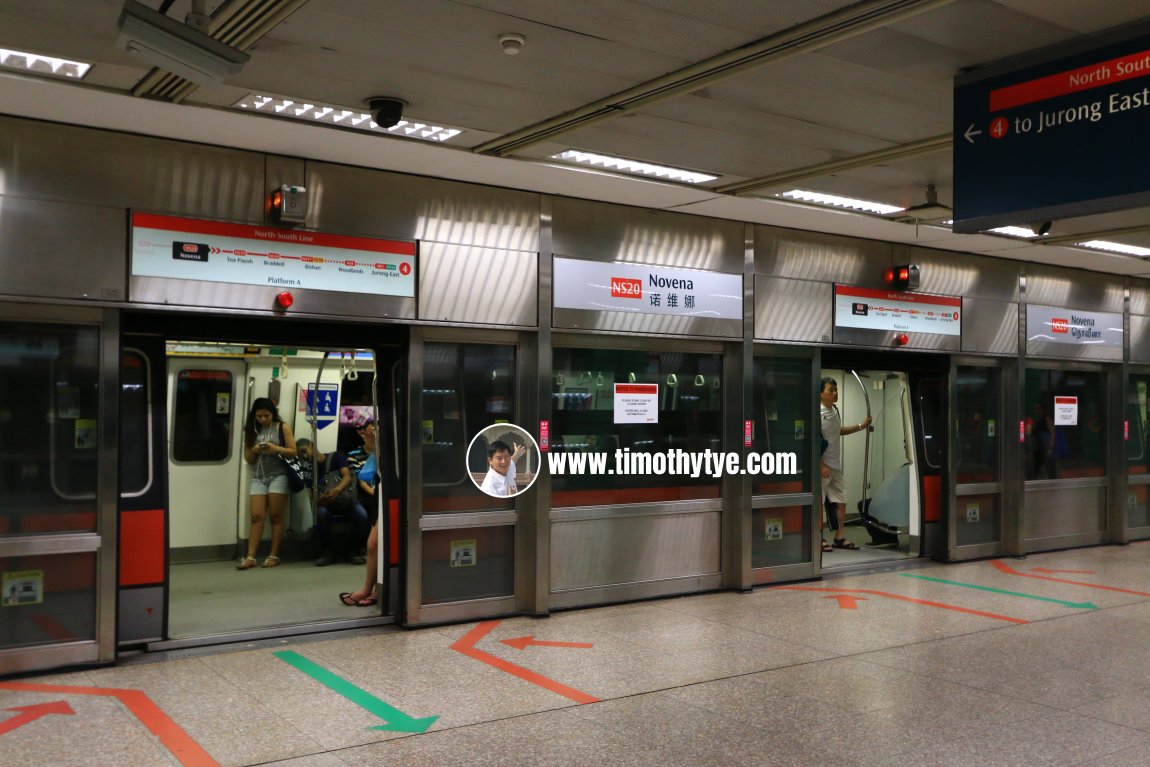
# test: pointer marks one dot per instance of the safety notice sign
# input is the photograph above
(636, 403)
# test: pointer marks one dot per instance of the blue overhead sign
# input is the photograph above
(1057, 133)
(324, 407)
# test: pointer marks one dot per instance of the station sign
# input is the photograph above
(637, 288)
(1073, 327)
(268, 256)
(897, 312)
(1056, 133)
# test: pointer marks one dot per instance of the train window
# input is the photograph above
(135, 431)
(201, 423)
(978, 433)
(1064, 425)
(49, 414)
(1136, 423)
(930, 407)
(784, 395)
(466, 388)
(583, 409)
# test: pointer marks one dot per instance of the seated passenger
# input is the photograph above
(500, 479)
(333, 501)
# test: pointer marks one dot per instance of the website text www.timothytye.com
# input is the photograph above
(672, 462)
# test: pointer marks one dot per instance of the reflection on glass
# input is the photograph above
(978, 428)
(134, 434)
(1064, 428)
(466, 388)
(688, 407)
(783, 398)
(1135, 445)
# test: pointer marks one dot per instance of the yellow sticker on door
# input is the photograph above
(463, 553)
(22, 587)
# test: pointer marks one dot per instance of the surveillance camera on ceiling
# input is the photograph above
(386, 110)
(178, 48)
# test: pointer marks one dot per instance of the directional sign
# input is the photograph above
(1054, 133)
(323, 408)
(29, 714)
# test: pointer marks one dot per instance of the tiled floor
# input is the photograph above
(967, 664)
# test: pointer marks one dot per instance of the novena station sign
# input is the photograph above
(1055, 133)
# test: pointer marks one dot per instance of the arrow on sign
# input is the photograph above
(971, 133)
(29, 714)
(396, 719)
(846, 601)
(1047, 571)
(521, 643)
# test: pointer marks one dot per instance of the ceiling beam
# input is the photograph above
(818, 33)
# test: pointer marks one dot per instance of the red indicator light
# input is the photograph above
(904, 274)
(902, 339)
(285, 300)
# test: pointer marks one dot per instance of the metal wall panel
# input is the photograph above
(947, 273)
(888, 339)
(64, 163)
(599, 231)
(1074, 289)
(989, 327)
(61, 250)
(380, 204)
(609, 551)
(459, 283)
(1139, 340)
(821, 257)
(140, 614)
(646, 324)
(1139, 296)
(1053, 512)
(793, 310)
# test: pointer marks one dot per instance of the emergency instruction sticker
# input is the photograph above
(463, 553)
(22, 587)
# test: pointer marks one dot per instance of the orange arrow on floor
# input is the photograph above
(846, 601)
(29, 714)
(1048, 571)
(522, 643)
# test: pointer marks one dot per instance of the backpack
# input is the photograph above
(332, 478)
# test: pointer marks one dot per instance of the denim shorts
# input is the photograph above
(275, 484)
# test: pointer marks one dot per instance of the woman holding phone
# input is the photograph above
(267, 441)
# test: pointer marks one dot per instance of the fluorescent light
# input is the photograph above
(22, 61)
(1015, 231)
(624, 165)
(834, 201)
(1115, 247)
(345, 117)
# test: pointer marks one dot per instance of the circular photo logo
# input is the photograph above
(503, 460)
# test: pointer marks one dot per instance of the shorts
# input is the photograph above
(276, 484)
(833, 487)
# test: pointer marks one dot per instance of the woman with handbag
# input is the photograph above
(268, 443)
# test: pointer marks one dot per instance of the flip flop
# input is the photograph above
(347, 599)
(843, 543)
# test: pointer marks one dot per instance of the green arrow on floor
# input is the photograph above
(396, 719)
(1075, 605)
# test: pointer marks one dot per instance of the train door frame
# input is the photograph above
(1137, 485)
(808, 498)
(1003, 489)
(418, 525)
(100, 542)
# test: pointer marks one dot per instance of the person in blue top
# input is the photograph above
(366, 468)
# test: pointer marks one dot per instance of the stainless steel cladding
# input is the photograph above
(821, 257)
(460, 283)
(947, 273)
(989, 327)
(1139, 340)
(1074, 289)
(793, 310)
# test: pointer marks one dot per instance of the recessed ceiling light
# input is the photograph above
(344, 117)
(1115, 247)
(624, 165)
(37, 64)
(1015, 231)
(834, 201)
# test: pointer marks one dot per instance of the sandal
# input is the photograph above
(826, 546)
(247, 563)
(351, 601)
(843, 543)
(273, 560)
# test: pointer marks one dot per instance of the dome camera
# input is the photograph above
(386, 110)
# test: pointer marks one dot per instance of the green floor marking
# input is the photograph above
(396, 719)
(1076, 605)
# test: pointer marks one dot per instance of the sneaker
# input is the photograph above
(325, 560)
(357, 560)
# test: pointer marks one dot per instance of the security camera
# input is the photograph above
(1041, 227)
(512, 43)
(179, 48)
(386, 111)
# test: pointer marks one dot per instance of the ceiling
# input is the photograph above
(840, 97)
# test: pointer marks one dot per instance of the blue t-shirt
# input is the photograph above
(367, 472)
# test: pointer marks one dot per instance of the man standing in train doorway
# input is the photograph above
(831, 463)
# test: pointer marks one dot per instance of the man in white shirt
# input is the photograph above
(500, 479)
(831, 463)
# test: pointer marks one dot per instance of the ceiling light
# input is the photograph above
(928, 211)
(834, 201)
(1115, 247)
(345, 117)
(1015, 231)
(632, 166)
(22, 61)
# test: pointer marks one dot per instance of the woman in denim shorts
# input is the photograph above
(264, 450)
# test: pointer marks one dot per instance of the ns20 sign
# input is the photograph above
(625, 287)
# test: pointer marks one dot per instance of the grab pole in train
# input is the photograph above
(866, 447)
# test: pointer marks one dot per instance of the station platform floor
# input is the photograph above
(1037, 661)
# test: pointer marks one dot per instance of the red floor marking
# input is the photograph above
(466, 645)
(29, 714)
(928, 603)
(846, 601)
(522, 643)
(1048, 571)
(152, 716)
(1003, 567)
(53, 628)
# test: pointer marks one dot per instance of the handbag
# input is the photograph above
(331, 480)
(294, 468)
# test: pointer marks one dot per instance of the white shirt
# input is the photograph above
(832, 427)
(500, 484)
